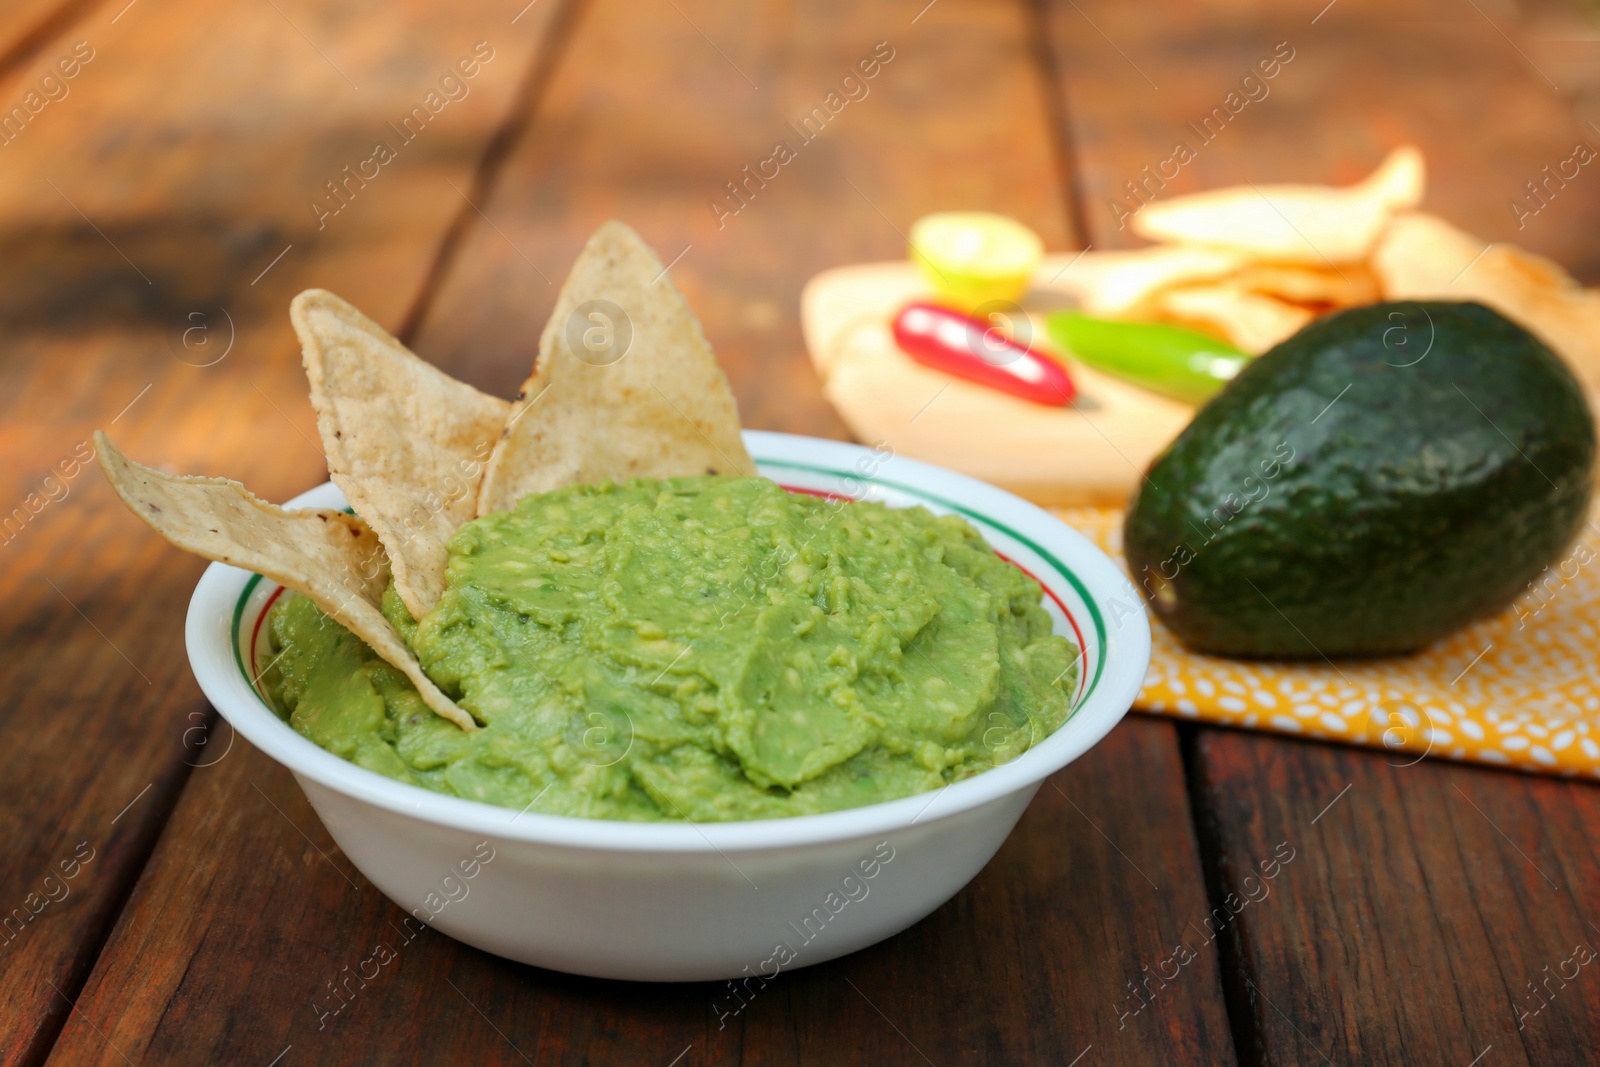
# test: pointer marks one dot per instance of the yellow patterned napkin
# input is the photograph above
(1521, 689)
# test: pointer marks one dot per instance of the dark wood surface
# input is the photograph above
(1417, 914)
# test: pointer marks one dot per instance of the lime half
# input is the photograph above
(972, 258)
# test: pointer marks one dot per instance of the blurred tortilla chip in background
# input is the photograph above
(1250, 321)
(1309, 224)
(1120, 284)
(1423, 257)
(1349, 285)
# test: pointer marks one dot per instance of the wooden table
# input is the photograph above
(158, 217)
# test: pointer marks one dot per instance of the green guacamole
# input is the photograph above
(704, 648)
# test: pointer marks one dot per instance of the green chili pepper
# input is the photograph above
(1182, 364)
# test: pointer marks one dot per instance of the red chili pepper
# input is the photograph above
(969, 348)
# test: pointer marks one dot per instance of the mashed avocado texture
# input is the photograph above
(704, 648)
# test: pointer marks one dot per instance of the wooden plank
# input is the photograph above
(155, 201)
(249, 932)
(29, 26)
(1417, 911)
(1431, 911)
(659, 147)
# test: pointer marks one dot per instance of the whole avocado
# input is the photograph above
(1384, 477)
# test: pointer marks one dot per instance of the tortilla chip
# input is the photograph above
(406, 442)
(1423, 257)
(1250, 321)
(331, 557)
(625, 385)
(1116, 284)
(1352, 285)
(1310, 224)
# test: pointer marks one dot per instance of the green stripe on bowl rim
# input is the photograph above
(238, 617)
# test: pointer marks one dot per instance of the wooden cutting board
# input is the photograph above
(1094, 452)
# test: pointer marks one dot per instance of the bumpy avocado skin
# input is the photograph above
(1380, 479)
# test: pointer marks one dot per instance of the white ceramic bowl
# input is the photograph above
(676, 902)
